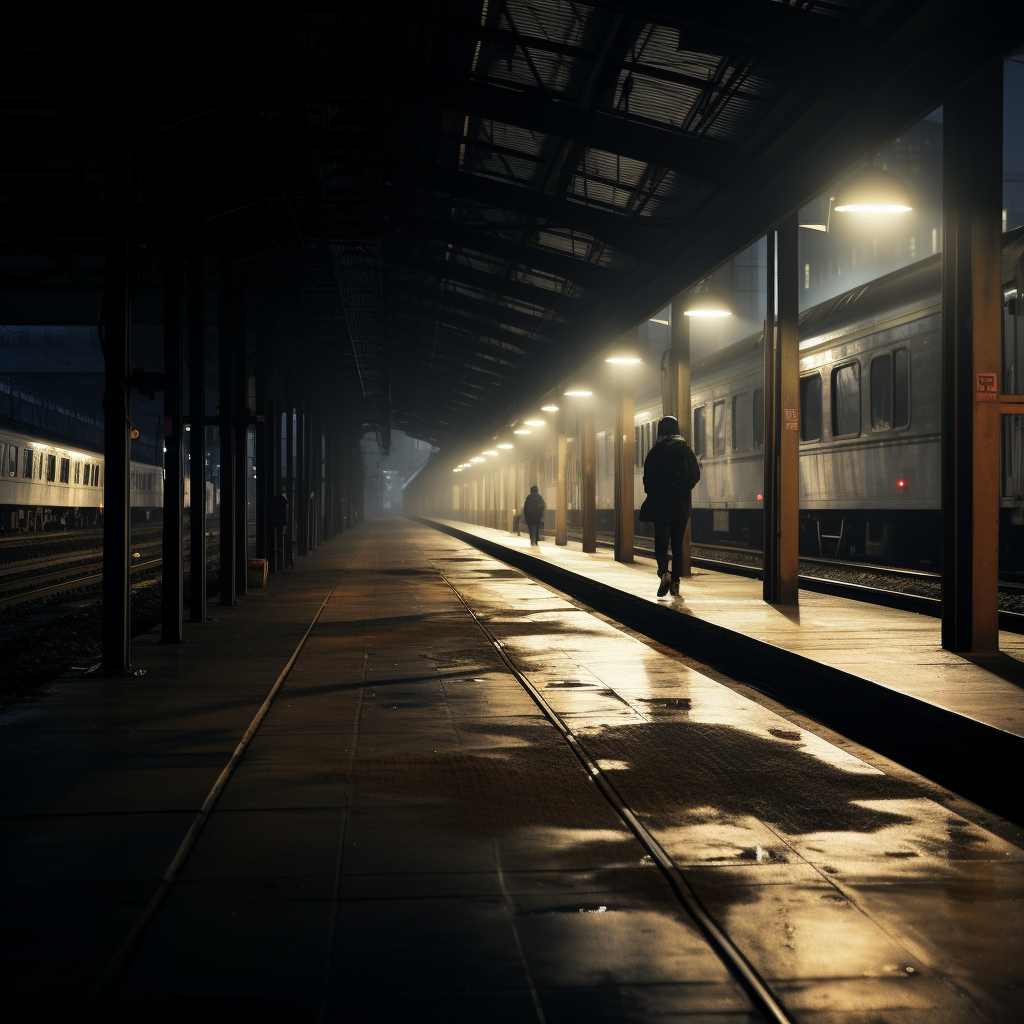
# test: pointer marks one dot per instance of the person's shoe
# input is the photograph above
(666, 582)
(674, 588)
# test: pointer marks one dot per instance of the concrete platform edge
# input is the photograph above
(970, 757)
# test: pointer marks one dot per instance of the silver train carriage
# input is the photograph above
(48, 485)
(869, 423)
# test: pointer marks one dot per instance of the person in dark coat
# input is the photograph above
(671, 471)
(533, 513)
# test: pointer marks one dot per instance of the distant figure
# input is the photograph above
(533, 513)
(671, 471)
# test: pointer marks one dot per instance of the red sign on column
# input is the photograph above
(791, 420)
(986, 389)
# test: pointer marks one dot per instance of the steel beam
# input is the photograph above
(227, 426)
(624, 473)
(120, 263)
(677, 399)
(561, 453)
(197, 410)
(240, 383)
(589, 489)
(781, 487)
(971, 363)
(171, 566)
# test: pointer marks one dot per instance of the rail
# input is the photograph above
(40, 589)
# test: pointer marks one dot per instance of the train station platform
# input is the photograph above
(471, 799)
(874, 673)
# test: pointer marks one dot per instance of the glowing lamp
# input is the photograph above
(506, 446)
(534, 423)
(760, 497)
(873, 190)
(901, 483)
(549, 408)
(708, 303)
(577, 393)
(623, 360)
(476, 459)
(522, 431)
(489, 453)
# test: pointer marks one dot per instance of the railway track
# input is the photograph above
(45, 585)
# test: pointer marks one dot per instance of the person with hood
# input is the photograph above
(533, 513)
(671, 471)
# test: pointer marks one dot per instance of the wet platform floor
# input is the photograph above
(408, 837)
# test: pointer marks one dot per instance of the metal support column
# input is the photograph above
(262, 458)
(589, 489)
(225, 321)
(510, 496)
(782, 419)
(561, 490)
(174, 486)
(240, 462)
(677, 397)
(624, 474)
(197, 411)
(119, 274)
(971, 363)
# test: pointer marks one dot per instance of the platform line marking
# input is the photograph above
(741, 968)
(125, 953)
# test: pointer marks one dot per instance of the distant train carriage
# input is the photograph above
(869, 423)
(46, 485)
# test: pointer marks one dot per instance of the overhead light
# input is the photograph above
(534, 423)
(815, 227)
(873, 190)
(577, 393)
(506, 446)
(549, 408)
(623, 360)
(655, 320)
(708, 303)
(476, 459)
(489, 453)
(521, 431)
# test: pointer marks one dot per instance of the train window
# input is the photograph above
(96, 475)
(881, 392)
(741, 423)
(758, 417)
(718, 427)
(810, 407)
(636, 448)
(901, 387)
(78, 472)
(846, 400)
(700, 444)
(51, 468)
(12, 460)
(65, 471)
(27, 462)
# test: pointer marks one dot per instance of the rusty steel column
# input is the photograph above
(971, 363)
(624, 473)
(782, 420)
(119, 274)
(174, 483)
(561, 491)
(197, 410)
(679, 393)
(589, 489)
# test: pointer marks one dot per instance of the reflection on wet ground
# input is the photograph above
(409, 838)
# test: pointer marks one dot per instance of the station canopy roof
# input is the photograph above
(441, 207)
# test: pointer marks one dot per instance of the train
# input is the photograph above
(48, 484)
(869, 423)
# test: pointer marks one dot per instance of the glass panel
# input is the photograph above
(758, 418)
(27, 464)
(12, 460)
(78, 472)
(901, 387)
(718, 424)
(699, 439)
(65, 471)
(846, 400)
(741, 423)
(51, 468)
(881, 392)
(810, 408)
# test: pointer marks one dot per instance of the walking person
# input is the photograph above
(671, 471)
(533, 513)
